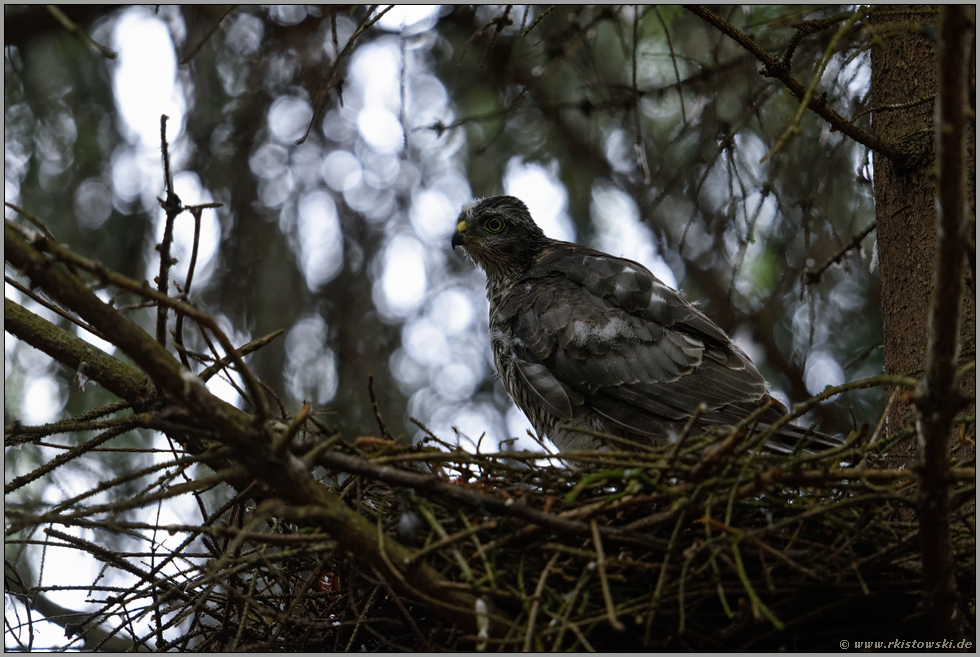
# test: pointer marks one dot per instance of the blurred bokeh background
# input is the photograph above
(342, 142)
(343, 239)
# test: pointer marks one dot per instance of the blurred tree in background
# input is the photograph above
(341, 141)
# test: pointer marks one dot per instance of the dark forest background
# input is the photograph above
(340, 142)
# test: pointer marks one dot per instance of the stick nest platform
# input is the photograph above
(707, 544)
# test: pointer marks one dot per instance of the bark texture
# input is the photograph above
(903, 88)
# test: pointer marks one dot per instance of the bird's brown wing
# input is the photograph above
(604, 328)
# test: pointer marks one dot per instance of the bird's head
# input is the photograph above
(498, 234)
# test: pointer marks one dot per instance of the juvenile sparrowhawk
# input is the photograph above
(583, 339)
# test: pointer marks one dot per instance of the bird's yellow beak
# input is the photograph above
(459, 234)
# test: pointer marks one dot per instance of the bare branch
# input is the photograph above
(214, 28)
(936, 397)
(72, 27)
(774, 68)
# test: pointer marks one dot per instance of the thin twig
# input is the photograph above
(499, 23)
(772, 67)
(52, 307)
(200, 44)
(377, 413)
(534, 23)
(70, 25)
(532, 616)
(805, 101)
(31, 218)
(172, 207)
(354, 465)
(61, 459)
(424, 642)
(244, 350)
(603, 579)
(320, 101)
(811, 276)
(673, 60)
(179, 327)
(638, 145)
(125, 335)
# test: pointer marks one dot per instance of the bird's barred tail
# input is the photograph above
(791, 438)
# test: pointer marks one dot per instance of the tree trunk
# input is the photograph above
(903, 89)
(905, 92)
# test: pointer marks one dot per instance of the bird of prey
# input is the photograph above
(586, 340)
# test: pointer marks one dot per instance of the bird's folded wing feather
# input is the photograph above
(641, 354)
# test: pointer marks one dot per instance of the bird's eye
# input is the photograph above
(494, 225)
